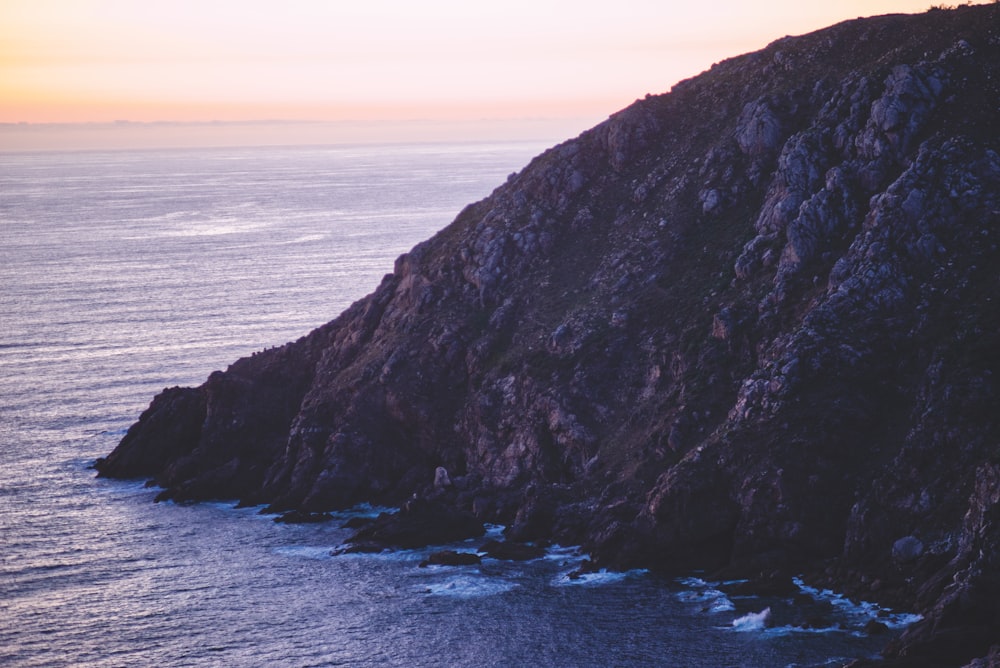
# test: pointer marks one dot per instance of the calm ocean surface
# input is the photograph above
(122, 273)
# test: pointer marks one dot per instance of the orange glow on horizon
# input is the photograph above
(73, 61)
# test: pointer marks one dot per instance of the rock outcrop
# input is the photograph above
(746, 325)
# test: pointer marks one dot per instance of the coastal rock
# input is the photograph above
(418, 523)
(169, 430)
(746, 326)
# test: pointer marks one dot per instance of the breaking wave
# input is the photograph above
(753, 621)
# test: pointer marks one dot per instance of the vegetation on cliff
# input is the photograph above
(746, 325)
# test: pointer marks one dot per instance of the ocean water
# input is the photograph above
(125, 272)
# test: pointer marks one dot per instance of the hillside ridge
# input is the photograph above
(747, 326)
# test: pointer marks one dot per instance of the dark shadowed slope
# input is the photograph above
(746, 325)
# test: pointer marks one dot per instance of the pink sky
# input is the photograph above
(565, 64)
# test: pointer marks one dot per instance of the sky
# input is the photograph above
(436, 66)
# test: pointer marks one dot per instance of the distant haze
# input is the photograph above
(518, 68)
(129, 135)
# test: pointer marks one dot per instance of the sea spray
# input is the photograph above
(753, 621)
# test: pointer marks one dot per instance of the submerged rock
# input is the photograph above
(747, 325)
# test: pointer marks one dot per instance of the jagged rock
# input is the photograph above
(759, 128)
(748, 325)
(990, 661)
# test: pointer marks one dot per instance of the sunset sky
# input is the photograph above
(439, 61)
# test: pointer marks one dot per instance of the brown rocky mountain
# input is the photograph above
(745, 326)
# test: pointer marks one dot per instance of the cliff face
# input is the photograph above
(745, 325)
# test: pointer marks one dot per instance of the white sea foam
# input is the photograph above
(859, 611)
(753, 621)
(781, 631)
(467, 586)
(386, 555)
(705, 595)
(720, 604)
(597, 578)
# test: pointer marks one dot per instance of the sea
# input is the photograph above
(124, 272)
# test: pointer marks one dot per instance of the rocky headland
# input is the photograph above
(746, 326)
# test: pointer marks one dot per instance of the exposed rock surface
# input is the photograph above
(746, 325)
(418, 523)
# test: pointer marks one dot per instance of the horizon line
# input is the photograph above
(297, 121)
(125, 134)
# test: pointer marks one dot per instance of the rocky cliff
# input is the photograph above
(747, 325)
